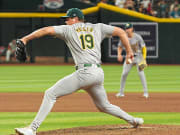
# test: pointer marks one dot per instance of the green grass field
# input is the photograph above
(9, 121)
(39, 78)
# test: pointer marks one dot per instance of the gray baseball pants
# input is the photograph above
(126, 70)
(90, 79)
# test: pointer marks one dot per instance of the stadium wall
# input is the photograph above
(168, 45)
(15, 25)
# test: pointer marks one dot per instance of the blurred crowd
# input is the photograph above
(158, 8)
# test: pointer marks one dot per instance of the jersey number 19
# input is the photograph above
(87, 41)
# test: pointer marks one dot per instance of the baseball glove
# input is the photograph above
(20, 51)
(142, 65)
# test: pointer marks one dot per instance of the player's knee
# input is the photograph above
(140, 73)
(124, 74)
(49, 95)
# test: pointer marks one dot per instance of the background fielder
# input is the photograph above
(84, 42)
(139, 50)
(11, 50)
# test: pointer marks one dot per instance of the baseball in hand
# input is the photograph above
(129, 61)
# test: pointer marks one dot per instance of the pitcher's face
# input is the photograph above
(71, 21)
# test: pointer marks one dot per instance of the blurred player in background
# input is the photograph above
(139, 50)
(11, 50)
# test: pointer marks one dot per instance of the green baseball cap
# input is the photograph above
(74, 12)
(128, 25)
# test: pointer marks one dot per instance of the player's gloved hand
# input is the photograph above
(142, 65)
(20, 51)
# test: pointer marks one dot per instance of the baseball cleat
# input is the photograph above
(137, 122)
(146, 95)
(25, 131)
(119, 95)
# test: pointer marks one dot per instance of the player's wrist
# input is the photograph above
(129, 51)
(24, 40)
(119, 55)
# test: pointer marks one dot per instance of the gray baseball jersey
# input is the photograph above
(84, 40)
(136, 42)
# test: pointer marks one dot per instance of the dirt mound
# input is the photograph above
(117, 130)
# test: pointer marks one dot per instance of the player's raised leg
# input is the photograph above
(143, 81)
(126, 70)
(100, 99)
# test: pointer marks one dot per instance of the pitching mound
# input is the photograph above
(117, 130)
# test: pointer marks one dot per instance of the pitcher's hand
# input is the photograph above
(129, 57)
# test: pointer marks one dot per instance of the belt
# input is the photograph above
(87, 65)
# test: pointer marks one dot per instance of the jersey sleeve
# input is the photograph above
(141, 41)
(106, 30)
(60, 31)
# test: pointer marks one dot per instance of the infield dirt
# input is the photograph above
(81, 102)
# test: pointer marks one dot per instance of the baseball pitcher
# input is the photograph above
(84, 42)
(139, 50)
